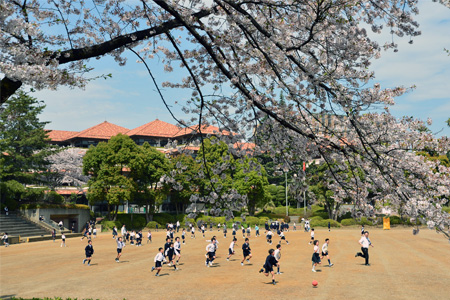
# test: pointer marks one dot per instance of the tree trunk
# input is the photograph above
(116, 209)
(109, 212)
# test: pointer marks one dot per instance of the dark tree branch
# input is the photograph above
(9, 86)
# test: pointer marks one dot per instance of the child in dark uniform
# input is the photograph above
(268, 265)
(89, 251)
(246, 251)
(170, 253)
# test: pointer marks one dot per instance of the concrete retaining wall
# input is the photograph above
(67, 215)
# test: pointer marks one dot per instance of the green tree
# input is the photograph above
(23, 147)
(277, 194)
(186, 170)
(251, 181)
(147, 169)
(112, 166)
(217, 167)
(23, 140)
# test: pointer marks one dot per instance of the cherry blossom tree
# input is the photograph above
(66, 168)
(316, 52)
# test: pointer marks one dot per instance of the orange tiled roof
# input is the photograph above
(158, 128)
(244, 146)
(208, 129)
(102, 131)
(60, 135)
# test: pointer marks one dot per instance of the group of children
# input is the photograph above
(171, 252)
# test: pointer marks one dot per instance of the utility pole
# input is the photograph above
(287, 210)
(304, 191)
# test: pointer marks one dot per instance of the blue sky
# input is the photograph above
(129, 98)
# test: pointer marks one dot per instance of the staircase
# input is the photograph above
(15, 226)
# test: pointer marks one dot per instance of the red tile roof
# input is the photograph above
(158, 128)
(60, 135)
(208, 129)
(244, 146)
(102, 131)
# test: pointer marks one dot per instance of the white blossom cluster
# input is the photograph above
(316, 53)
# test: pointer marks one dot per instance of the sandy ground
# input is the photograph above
(403, 266)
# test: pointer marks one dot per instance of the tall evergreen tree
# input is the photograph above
(23, 139)
(23, 147)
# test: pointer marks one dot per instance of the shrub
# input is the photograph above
(365, 221)
(45, 205)
(108, 225)
(252, 221)
(238, 219)
(152, 224)
(322, 214)
(316, 208)
(324, 223)
(164, 218)
(54, 197)
(395, 220)
(218, 220)
(446, 209)
(263, 220)
(348, 222)
(186, 220)
(33, 195)
(287, 219)
(347, 215)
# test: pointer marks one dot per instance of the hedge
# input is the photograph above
(44, 205)
(108, 225)
(152, 225)
(446, 209)
(323, 223)
(348, 222)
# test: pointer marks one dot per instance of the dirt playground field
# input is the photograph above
(403, 266)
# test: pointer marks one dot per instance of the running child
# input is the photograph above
(269, 235)
(225, 230)
(89, 251)
(84, 234)
(120, 246)
(63, 240)
(231, 248)
(234, 230)
(277, 255)
(246, 251)
(95, 232)
(282, 237)
(149, 237)
(316, 256)
(248, 231)
(177, 247)
(243, 231)
(203, 230)
(210, 252)
(114, 232)
(256, 230)
(312, 236)
(365, 243)
(159, 260)
(183, 235)
(170, 253)
(268, 265)
(325, 251)
(192, 232)
(166, 246)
